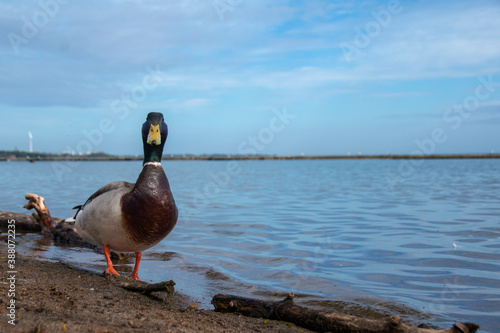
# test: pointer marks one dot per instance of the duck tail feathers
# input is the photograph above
(79, 207)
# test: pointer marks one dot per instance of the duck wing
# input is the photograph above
(106, 188)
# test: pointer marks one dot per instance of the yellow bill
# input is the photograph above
(154, 136)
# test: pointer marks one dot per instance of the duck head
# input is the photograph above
(154, 135)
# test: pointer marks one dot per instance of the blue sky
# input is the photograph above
(231, 76)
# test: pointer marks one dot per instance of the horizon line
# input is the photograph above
(229, 157)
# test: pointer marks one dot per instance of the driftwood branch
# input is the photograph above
(140, 286)
(321, 321)
(61, 231)
(38, 203)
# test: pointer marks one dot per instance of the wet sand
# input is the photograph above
(54, 297)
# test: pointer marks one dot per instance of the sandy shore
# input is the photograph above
(54, 297)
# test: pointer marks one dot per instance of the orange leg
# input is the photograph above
(109, 269)
(138, 256)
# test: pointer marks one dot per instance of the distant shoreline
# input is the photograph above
(252, 158)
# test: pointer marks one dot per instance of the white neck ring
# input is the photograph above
(153, 163)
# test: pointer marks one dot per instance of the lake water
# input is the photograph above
(342, 234)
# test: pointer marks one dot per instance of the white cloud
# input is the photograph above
(89, 51)
(454, 40)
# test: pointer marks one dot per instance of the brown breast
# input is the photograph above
(149, 212)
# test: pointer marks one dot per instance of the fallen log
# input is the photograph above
(24, 223)
(140, 286)
(321, 321)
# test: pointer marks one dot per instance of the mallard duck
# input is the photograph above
(130, 217)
